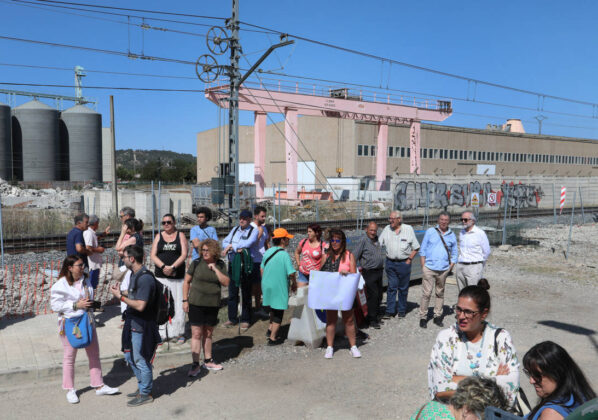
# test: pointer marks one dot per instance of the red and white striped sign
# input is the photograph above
(563, 195)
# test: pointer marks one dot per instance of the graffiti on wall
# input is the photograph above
(410, 195)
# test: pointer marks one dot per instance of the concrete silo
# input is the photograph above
(82, 132)
(36, 153)
(5, 143)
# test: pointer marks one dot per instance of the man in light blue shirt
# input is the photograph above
(202, 231)
(438, 254)
(243, 236)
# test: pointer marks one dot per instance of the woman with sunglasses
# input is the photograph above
(70, 297)
(559, 382)
(202, 290)
(339, 259)
(473, 347)
(169, 252)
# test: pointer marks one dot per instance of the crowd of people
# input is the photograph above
(473, 363)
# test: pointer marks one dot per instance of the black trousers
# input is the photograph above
(373, 291)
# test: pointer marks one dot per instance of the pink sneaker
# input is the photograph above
(211, 365)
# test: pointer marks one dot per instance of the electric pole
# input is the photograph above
(233, 108)
(540, 118)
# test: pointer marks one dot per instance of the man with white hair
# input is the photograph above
(401, 247)
(474, 250)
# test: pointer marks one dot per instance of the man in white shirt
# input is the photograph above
(474, 250)
(91, 243)
(401, 247)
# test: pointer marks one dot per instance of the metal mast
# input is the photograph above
(233, 107)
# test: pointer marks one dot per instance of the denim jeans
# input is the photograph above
(399, 274)
(140, 367)
(94, 277)
(233, 298)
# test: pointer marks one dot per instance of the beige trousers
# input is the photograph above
(432, 280)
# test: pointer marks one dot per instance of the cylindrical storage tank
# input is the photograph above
(84, 133)
(5, 143)
(38, 140)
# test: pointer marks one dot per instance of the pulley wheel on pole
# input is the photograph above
(217, 40)
(210, 70)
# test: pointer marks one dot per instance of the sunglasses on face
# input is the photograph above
(465, 220)
(335, 241)
(166, 222)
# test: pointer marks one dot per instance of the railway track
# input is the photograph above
(58, 242)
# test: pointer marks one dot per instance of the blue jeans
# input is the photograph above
(399, 274)
(233, 298)
(141, 369)
(94, 277)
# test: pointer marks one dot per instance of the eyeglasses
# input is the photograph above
(335, 241)
(78, 265)
(166, 222)
(465, 220)
(205, 250)
(467, 312)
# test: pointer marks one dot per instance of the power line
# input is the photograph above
(107, 87)
(160, 12)
(421, 68)
(99, 50)
(46, 7)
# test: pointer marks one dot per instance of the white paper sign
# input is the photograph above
(332, 290)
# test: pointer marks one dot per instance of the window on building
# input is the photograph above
(390, 150)
(359, 150)
(366, 150)
(424, 153)
(451, 155)
(408, 151)
(372, 150)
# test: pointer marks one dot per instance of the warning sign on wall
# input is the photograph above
(492, 199)
(475, 199)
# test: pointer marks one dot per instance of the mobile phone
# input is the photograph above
(96, 304)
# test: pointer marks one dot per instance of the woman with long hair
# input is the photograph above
(309, 253)
(169, 252)
(559, 382)
(70, 297)
(339, 259)
(201, 300)
(473, 347)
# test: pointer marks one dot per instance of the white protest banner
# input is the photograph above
(332, 290)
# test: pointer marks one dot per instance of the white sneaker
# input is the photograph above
(355, 352)
(106, 390)
(71, 396)
(329, 352)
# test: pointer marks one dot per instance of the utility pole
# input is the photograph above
(540, 118)
(114, 192)
(233, 108)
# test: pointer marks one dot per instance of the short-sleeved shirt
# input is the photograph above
(74, 237)
(311, 257)
(275, 280)
(205, 286)
(91, 239)
(399, 245)
(200, 233)
(142, 286)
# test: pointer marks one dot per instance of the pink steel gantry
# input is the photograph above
(293, 101)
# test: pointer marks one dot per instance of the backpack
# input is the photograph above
(164, 304)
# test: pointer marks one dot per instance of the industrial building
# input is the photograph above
(334, 147)
(38, 143)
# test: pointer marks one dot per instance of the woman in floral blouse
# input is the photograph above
(473, 347)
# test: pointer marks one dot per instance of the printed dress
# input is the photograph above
(453, 354)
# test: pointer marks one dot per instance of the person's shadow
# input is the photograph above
(172, 379)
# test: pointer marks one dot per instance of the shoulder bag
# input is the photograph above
(446, 248)
(79, 330)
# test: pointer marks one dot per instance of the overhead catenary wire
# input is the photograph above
(421, 68)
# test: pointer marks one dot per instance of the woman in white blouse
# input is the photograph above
(70, 297)
(473, 347)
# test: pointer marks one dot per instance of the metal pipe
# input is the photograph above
(504, 223)
(113, 158)
(153, 213)
(553, 205)
(571, 224)
(583, 219)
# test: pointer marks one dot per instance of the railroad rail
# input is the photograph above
(58, 242)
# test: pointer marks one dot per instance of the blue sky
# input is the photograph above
(540, 46)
